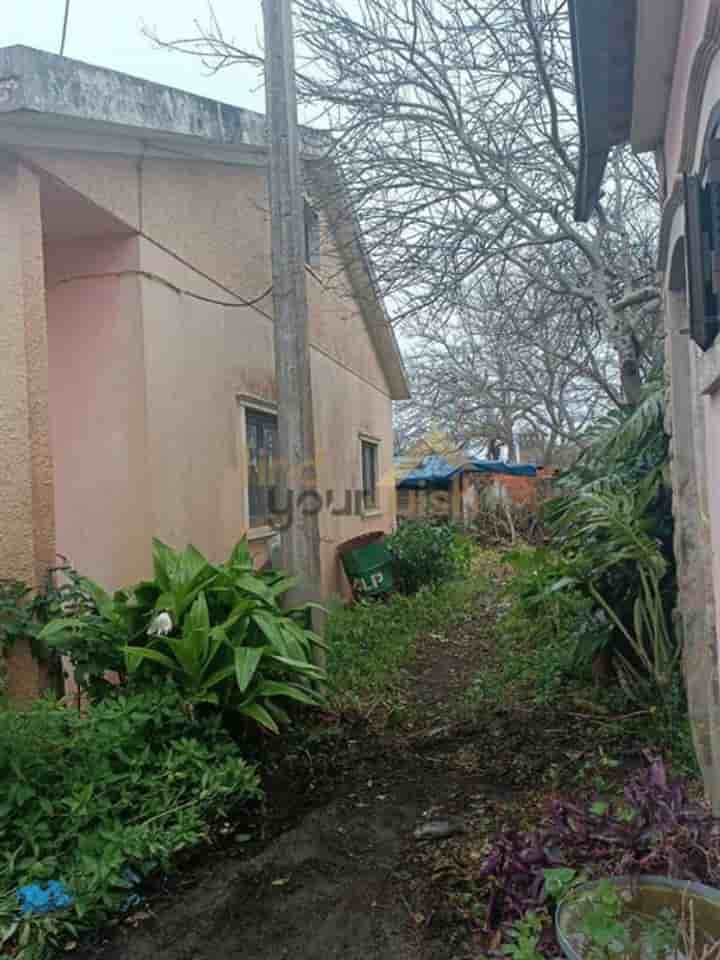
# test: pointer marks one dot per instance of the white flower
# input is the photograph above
(161, 626)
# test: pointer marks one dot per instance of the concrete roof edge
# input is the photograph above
(44, 83)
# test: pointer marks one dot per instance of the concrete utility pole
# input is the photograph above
(296, 454)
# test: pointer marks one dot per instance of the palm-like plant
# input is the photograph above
(613, 528)
(217, 632)
(615, 512)
(623, 446)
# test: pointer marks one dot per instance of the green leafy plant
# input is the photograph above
(613, 523)
(24, 610)
(94, 799)
(559, 881)
(616, 512)
(611, 928)
(622, 447)
(425, 554)
(549, 602)
(217, 632)
(547, 631)
(525, 936)
(661, 935)
(16, 613)
(600, 920)
(90, 629)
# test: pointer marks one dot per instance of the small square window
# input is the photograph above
(261, 438)
(369, 452)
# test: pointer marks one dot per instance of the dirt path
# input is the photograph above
(340, 872)
(341, 881)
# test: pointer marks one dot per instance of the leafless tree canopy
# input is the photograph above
(454, 125)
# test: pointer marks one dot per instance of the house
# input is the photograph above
(138, 393)
(452, 488)
(648, 74)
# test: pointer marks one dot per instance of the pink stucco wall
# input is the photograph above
(97, 408)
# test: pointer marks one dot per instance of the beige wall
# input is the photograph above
(147, 380)
(26, 505)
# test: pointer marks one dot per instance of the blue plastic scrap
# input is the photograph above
(133, 899)
(499, 466)
(36, 899)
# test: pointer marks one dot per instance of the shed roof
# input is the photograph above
(436, 472)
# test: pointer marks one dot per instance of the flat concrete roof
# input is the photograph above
(36, 82)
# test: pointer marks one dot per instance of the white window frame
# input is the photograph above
(245, 403)
(376, 509)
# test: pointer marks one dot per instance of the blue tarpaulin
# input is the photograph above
(499, 466)
(435, 472)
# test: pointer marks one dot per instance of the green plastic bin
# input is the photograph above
(368, 565)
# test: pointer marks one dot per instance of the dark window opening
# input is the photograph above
(369, 474)
(261, 432)
(312, 236)
(702, 250)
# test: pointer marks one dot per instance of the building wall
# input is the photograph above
(152, 353)
(215, 219)
(694, 374)
(27, 542)
(693, 420)
(97, 408)
(461, 502)
(694, 19)
(713, 489)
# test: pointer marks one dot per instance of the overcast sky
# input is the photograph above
(109, 35)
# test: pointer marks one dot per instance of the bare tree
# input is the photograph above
(506, 364)
(454, 126)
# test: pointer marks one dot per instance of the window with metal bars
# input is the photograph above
(261, 433)
(702, 250)
(369, 452)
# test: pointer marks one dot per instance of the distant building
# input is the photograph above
(453, 488)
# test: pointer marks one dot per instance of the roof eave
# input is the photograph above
(603, 46)
(657, 37)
